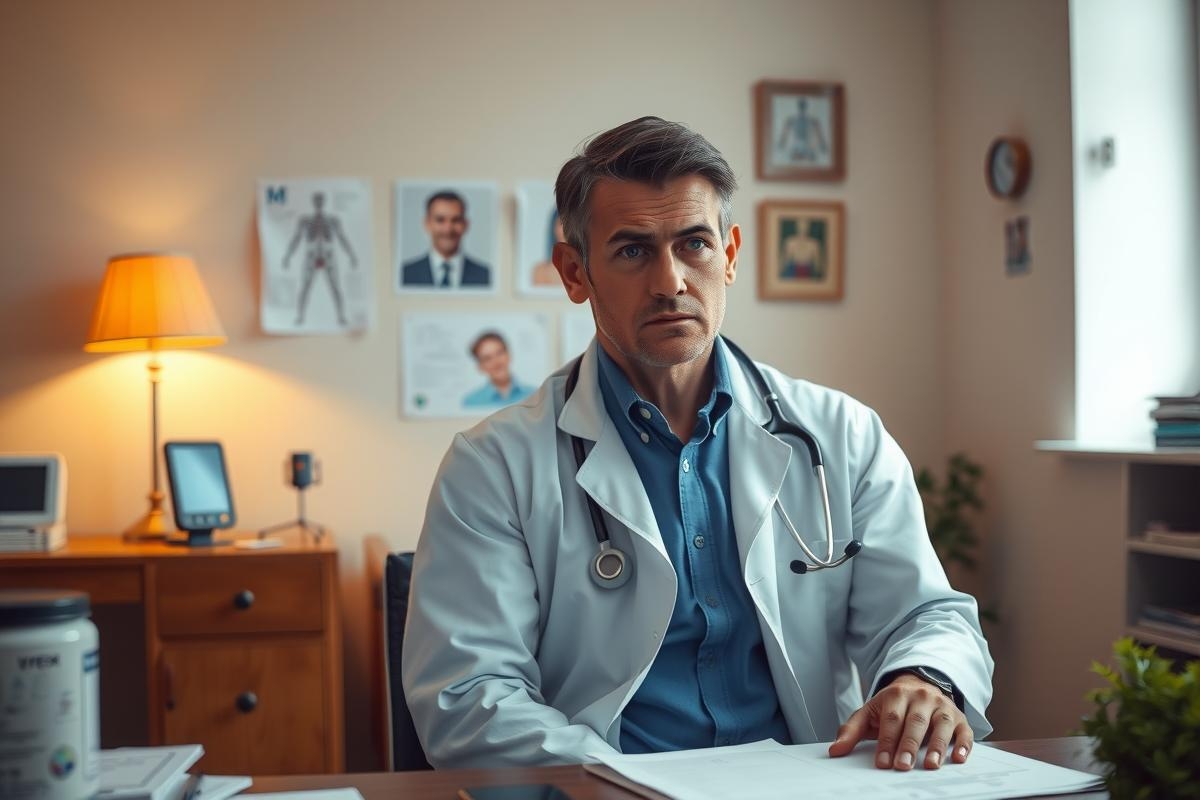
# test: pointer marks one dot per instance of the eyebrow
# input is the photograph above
(626, 235)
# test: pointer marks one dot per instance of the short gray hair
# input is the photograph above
(650, 150)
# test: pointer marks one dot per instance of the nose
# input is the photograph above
(666, 275)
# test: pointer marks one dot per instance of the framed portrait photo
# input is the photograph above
(801, 253)
(799, 131)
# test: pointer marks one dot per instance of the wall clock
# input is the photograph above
(1007, 167)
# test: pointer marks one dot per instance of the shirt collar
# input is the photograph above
(617, 389)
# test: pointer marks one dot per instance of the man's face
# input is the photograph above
(657, 270)
(445, 223)
(492, 357)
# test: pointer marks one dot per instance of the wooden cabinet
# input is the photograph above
(243, 650)
(1157, 486)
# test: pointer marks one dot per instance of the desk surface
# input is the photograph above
(1070, 752)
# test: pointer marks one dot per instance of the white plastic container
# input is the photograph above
(49, 696)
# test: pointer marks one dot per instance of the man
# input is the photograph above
(513, 656)
(446, 266)
(490, 352)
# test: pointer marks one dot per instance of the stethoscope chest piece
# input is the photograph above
(610, 569)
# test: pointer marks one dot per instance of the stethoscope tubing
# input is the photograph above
(610, 566)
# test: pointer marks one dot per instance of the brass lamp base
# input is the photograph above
(152, 525)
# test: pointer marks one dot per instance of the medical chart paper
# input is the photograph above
(769, 770)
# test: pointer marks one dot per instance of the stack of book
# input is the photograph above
(1177, 421)
(1180, 622)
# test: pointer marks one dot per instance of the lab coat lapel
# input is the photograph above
(608, 473)
(758, 463)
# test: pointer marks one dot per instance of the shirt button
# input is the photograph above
(645, 412)
(698, 541)
(686, 466)
(712, 601)
(645, 437)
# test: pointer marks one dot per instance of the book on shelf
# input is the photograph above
(1175, 441)
(1174, 538)
(1168, 629)
(1179, 617)
(1190, 411)
(1177, 399)
(1182, 430)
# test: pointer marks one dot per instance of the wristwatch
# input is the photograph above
(929, 675)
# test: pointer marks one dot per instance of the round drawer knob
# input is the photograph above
(243, 599)
(247, 702)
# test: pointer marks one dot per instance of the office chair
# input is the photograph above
(404, 748)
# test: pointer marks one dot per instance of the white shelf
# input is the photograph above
(1099, 451)
(1183, 644)
(1140, 545)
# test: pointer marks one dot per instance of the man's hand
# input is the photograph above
(901, 716)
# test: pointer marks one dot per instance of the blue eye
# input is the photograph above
(695, 244)
(631, 251)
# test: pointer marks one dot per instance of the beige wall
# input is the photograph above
(134, 126)
(144, 125)
(1054, 529)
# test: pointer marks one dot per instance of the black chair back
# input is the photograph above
(406, 753)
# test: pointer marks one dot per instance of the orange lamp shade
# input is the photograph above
(153, 301)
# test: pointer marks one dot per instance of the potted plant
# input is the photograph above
(1146, 726)
(949, 514)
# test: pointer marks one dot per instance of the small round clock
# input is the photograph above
(1007, 168)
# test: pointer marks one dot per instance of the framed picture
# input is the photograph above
(801, 253)
(799, 131)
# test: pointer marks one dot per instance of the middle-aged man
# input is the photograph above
(490, 352)
(518, 652)
(446, 266)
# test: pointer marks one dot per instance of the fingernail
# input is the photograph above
(962, 752)
(905, 759)
(883, 760)
(935, 758)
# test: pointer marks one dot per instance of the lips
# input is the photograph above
(668, 319)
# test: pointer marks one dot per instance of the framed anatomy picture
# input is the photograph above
(799, 131)
(801, 253)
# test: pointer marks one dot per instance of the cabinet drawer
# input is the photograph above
(239, 596)
(257, 709)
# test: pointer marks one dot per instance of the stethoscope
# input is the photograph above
(609, 569)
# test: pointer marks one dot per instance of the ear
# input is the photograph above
(572, 272)
(731, 254)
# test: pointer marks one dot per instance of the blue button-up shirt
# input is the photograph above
(710, 683)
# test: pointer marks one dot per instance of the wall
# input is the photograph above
(1054, 547)
(144, 125)
(1137, 286)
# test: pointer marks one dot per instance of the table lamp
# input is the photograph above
(152, 301)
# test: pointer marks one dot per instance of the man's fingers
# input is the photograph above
(891, 727)
(851, 733)
(916, 725)
(941, 731)
(964, 740)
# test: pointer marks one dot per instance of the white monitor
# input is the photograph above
(33, 491)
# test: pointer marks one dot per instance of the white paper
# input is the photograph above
(316, 794)
(578, 328)
(768, 770)
(537, 231)
(318, 259)
(475, 238)
(128, 773)
(442, 378)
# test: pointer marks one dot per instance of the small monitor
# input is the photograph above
(33, 490)
(199, 490)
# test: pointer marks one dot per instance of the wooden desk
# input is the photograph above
(242, 648)
(1070, 752)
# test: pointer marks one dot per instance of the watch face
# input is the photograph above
(1003, 168)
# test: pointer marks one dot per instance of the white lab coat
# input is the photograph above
(513, 656)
